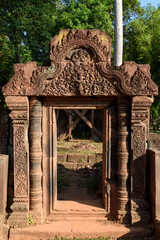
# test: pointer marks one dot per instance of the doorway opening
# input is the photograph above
(79, 154)
(79, 159)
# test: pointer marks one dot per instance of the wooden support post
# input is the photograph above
(88, 123)
(74, 124)
(92, 121)
(70, 125)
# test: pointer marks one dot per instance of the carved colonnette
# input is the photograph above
(139, 136)
(35, 154)
(123, 214)
(19, 108)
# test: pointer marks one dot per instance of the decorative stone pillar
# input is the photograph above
(20, 114)
(139, 137)
(123, 160)
(35, 160)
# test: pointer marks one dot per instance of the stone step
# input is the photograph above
(78, 229)
(77, 215)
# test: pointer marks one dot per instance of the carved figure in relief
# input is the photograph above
(80, 65)
(80, 77)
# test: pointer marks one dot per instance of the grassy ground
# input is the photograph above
(83, 147)
(104, 238)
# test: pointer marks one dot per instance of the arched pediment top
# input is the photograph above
(80, 66)
(95, 41)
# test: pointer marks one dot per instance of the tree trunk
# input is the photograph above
(18, 58)
(118, 33)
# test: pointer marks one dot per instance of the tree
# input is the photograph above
(26, 27)
(142, 44)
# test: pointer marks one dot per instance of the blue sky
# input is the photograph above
(153, 2)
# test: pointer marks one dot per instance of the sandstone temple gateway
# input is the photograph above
(80, 76)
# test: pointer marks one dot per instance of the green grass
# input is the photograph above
(99, 238)
(65, 147)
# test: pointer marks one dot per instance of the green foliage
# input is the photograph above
(98, 238)
(26, 28)
(30, 220)
(142, 45)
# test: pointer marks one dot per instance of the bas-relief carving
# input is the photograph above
(139, 136)
(139, 141)
(80, 66)
(79, 77)
(21, 183)
(139, 154)
(18, 105)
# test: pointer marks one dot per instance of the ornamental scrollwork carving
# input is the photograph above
(80, 64)
(97, 40)
(21, 184)
(138, 141)
(79, 77)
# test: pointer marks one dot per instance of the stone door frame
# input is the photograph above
(49, 129)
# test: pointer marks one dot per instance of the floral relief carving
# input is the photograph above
(138, 141)
(21, 185)
(79, 77)
(81, 65)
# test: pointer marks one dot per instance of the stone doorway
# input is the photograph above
(49, 151)
(80, 74)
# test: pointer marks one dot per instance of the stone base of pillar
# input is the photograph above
(19, 216)
(36, 217)
(140, 215)
(124, 217)
(18, 219)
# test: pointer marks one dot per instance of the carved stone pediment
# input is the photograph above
(80, 66)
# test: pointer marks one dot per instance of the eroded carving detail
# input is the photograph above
(78, 38)
(138, 141)
(19, 84)
(91, 49)
(21, 184)
(80, 77)
(141, 84)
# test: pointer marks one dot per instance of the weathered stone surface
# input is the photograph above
(139, 137)
(154, 189)
(80, 66)
(61, 157)
(3, 183)
(98, 158)
(70, 165)
(80, 158)
(91, 159)
(19, 115)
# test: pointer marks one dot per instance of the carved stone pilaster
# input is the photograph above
(35, 160)
(123, 160)
(20, 114)
(139, 137)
